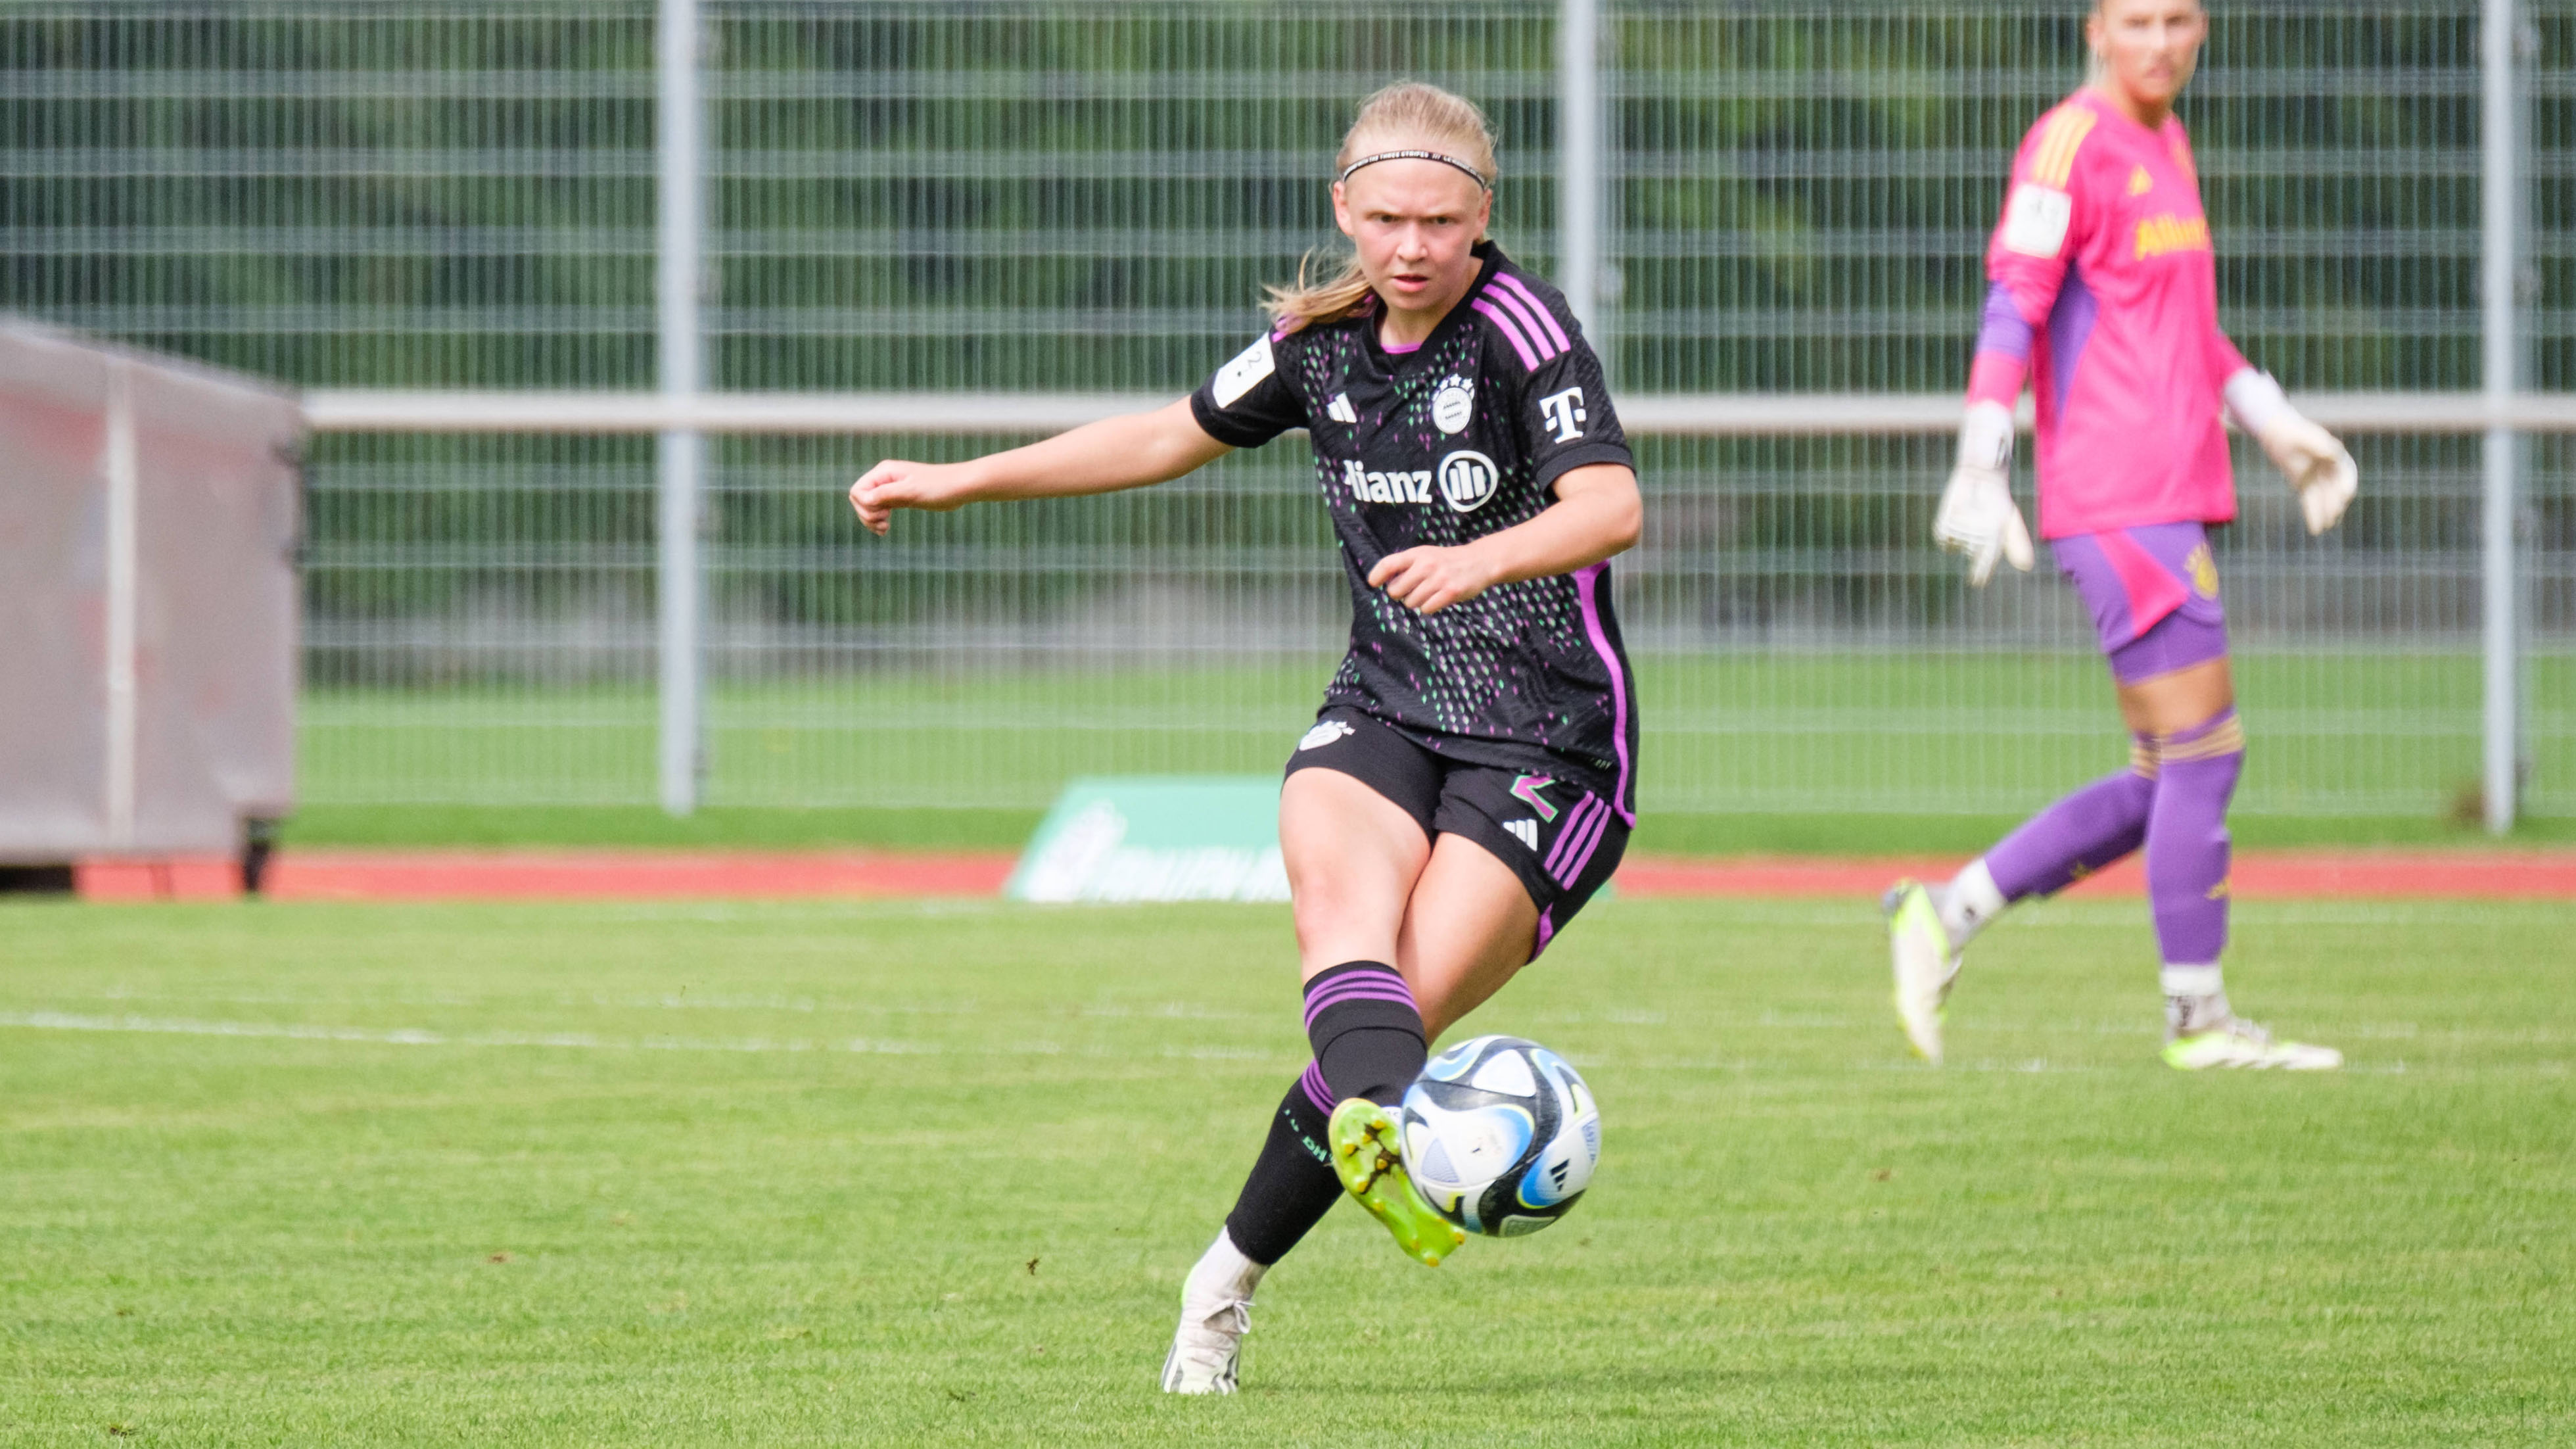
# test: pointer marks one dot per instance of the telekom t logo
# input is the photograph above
(1563, 412)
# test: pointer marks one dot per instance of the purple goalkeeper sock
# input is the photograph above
(2187, 846)
(2076, 836)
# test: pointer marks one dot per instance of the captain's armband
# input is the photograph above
(2036, 219)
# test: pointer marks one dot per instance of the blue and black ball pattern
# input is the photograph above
(1500, 1135)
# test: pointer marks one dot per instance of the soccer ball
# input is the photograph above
(1500, 1135)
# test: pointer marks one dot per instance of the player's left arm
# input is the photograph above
(2319, 469)
(1598, 512)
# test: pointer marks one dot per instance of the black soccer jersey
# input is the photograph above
(1463, 436)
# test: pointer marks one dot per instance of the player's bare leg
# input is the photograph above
(1467, 930)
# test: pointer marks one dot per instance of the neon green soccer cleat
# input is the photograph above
(2241, 1044)
(1372, 1170)
(1919, 948)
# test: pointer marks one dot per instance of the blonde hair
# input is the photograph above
(1407, 113)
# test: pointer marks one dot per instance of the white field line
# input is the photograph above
(583, 1041)
(861, 1046)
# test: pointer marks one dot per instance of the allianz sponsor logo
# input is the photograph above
(1469, 480)
(2162, 235)
(1370, 486)
(1466, 480)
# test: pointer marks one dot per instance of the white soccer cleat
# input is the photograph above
(1205, 1350)
(2237, 1042)
(1216, 1312)
(1919, 948)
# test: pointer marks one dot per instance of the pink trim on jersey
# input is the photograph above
(1510, 330)
(1587, 583)
(1537, 308)
(2119, 321)
(1398, 349)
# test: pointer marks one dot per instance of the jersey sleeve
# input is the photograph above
(1248, 401)
(1565, 416)
(2046, 218)
(2225, 361)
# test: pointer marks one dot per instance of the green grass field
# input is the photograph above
(2353, 733)
(917, 1174)
(1787, 752)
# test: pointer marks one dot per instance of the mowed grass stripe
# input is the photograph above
(1798, 1236)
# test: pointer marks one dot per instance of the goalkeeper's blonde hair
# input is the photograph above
(1404, 115)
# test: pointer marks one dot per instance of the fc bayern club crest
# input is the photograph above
(1453, 403)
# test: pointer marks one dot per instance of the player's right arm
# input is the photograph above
(1130, 451)
(2026, 262)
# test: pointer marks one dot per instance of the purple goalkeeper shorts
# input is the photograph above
(2153, 594)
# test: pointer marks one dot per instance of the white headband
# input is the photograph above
(1416, 156)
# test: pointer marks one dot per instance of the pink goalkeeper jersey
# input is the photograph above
(2105, 289)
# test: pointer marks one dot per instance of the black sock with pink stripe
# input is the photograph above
(1292, 1183)
(1368, 1042)
(1366, 1031)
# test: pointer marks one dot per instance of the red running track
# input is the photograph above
(609, 875)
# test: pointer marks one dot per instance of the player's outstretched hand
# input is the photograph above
(1977, 516)
(2319, 469)
(1430, 579)
(895, 484)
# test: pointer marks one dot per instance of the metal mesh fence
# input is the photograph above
(1086, 196)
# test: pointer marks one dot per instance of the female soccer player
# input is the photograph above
(1470, 780)
(2105, 294)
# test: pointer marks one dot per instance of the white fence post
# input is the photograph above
(681, 455)
(2500, 278)
(1580, 179)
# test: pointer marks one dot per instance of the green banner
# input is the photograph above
(1157, 838)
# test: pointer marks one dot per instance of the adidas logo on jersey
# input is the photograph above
(1524, 831)
(1340, 409)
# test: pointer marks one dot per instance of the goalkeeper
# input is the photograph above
(2105, 300)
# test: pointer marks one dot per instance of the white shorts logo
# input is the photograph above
(1453, 403)
(2035, 220)
(1524, 831)
(1237, 377)
(1324, 734)
(1468, 480)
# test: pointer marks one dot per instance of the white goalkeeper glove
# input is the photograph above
(2319, 470)
(1977, 516)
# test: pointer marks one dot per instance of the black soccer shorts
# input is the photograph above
(1561, 840)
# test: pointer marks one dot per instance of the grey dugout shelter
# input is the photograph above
(149, 519)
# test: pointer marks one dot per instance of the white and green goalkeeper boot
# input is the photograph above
(1925, 964)
(2236, 1042)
